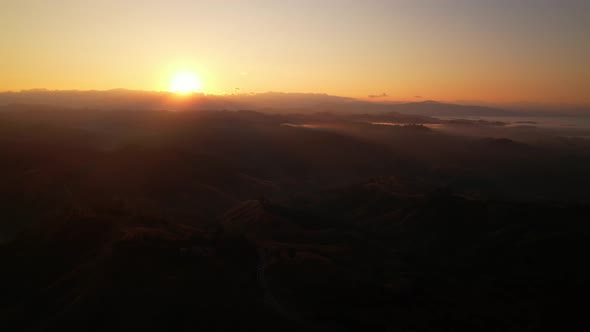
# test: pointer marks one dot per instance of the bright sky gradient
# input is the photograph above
(495, 51)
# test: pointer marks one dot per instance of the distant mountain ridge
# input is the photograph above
(276, 102)
(434, 108)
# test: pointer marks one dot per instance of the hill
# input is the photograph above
(433, 108)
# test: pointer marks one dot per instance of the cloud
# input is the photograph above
(383, 95)
(419, 97)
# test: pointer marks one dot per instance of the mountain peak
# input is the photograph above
(429, 101)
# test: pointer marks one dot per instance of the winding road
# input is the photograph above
(268, 295)
(285, 313)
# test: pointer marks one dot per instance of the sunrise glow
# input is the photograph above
(185, 82)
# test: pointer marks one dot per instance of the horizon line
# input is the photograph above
(368, 99)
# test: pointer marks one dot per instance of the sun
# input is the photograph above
(185, 83)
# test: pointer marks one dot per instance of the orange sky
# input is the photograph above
(493, 51)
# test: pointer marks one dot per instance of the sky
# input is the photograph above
(473, 50)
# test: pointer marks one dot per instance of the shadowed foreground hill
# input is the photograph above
(432, 262)
(359, 258)
(219, 220)
(115, 272)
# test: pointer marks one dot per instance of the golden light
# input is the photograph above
(185, 83)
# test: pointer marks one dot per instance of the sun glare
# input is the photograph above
(185, 83)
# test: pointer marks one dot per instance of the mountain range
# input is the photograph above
(275, 102)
